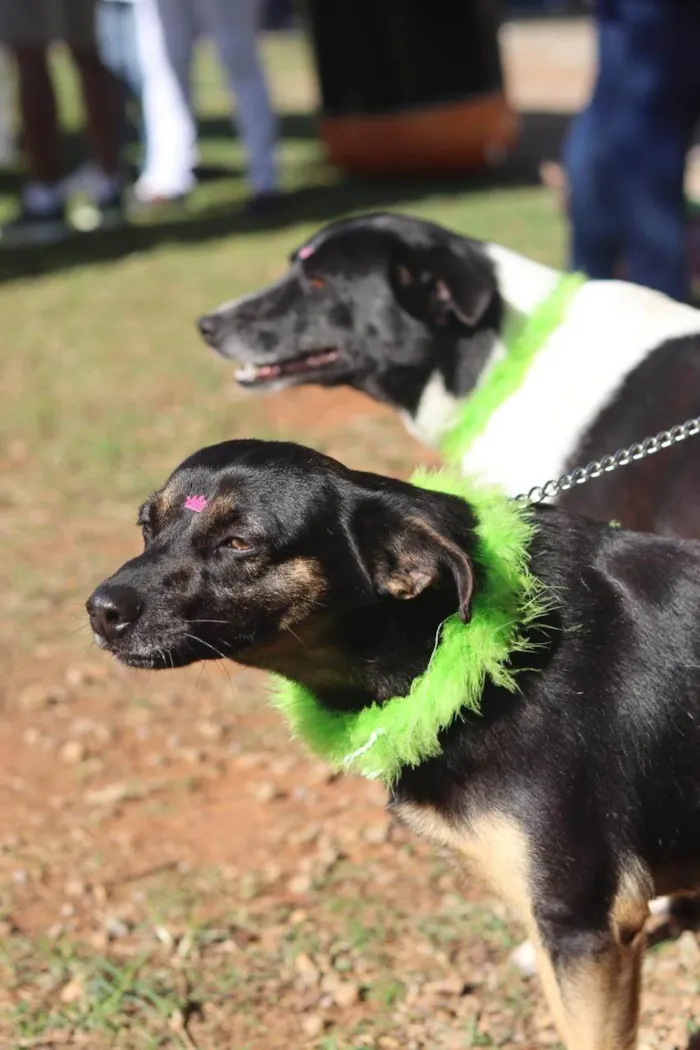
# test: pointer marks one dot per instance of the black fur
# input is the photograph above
(402, 298)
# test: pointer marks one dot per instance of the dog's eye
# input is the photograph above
(235, 543)
(317, 282)
(146, 532)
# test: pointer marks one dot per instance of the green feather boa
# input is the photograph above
(378, 741)
(508, 374)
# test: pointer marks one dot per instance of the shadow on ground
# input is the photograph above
(319, 201)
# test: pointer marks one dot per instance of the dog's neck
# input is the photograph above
(362, 657)
(522, 285)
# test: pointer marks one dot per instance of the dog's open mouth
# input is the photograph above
(255, 375)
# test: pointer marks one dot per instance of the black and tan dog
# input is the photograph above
(578, 797)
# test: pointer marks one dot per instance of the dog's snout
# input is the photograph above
(112, 609)
(209, 327)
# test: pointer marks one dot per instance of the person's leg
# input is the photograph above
(165, 32)
(99, 88)
(118, 46)
(7, 137)
(591, 166)
(27, 33)
(38, 115)
(234, 28)
(101, 101)
(115, 28)
(660, 95)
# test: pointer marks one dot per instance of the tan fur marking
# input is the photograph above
(594, 1001)
(492, 845)
(630, 908)
(220, 507)
(165, 502)
(442, 541)
(600, 998)
(405, 584)
(302, 583)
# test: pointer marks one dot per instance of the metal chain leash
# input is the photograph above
(606, 465)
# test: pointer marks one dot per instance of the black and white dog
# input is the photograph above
(578, 796)
(414, 316)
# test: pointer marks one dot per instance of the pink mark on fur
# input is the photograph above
(196, 503)
(304, 253)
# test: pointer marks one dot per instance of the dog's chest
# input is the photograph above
(491, 845)
(610, 329)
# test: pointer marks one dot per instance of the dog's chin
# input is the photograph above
(158, 657)
(321, 366)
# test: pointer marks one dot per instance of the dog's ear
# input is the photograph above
(458, 281)
(463, 282)
(406, 554)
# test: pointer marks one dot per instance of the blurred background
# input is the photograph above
(173, 871)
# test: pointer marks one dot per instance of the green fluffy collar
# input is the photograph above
(380, 740)
(521, 348)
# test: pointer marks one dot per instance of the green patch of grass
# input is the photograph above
(75, 991)
(478, 920)
(387, 991)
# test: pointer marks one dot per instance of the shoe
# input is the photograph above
(31, 228)
(262, 205)
(112, 212)
(107, 214)
(99, 204)
(147, 191)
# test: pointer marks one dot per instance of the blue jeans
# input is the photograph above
(625, 154)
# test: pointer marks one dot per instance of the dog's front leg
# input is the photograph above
(591, 980)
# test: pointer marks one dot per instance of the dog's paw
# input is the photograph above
(524, 959)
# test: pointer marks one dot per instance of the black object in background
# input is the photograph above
(384, 56)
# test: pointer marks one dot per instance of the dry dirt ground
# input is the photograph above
(173, 871)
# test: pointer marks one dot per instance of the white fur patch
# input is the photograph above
(522, 282)
(610, 328)
(437, 408)
(435, 413)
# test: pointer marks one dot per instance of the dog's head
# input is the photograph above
(376, 302)
(276, 556)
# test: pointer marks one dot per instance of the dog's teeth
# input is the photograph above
(246, 373)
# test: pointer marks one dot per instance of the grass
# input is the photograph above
(187, 981)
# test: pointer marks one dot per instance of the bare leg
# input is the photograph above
(39, 121)
(101, 99)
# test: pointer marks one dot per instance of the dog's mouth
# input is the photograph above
(147, 657)
(250, 375)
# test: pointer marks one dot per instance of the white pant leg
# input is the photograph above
(233, 26)
(166, 31)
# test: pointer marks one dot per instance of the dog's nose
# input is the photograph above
(209, 326)
(112, 609)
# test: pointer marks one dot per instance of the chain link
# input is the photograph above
(606, 465)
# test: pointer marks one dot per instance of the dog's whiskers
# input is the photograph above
(300, 640)
(80, 627)
(201, 641)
